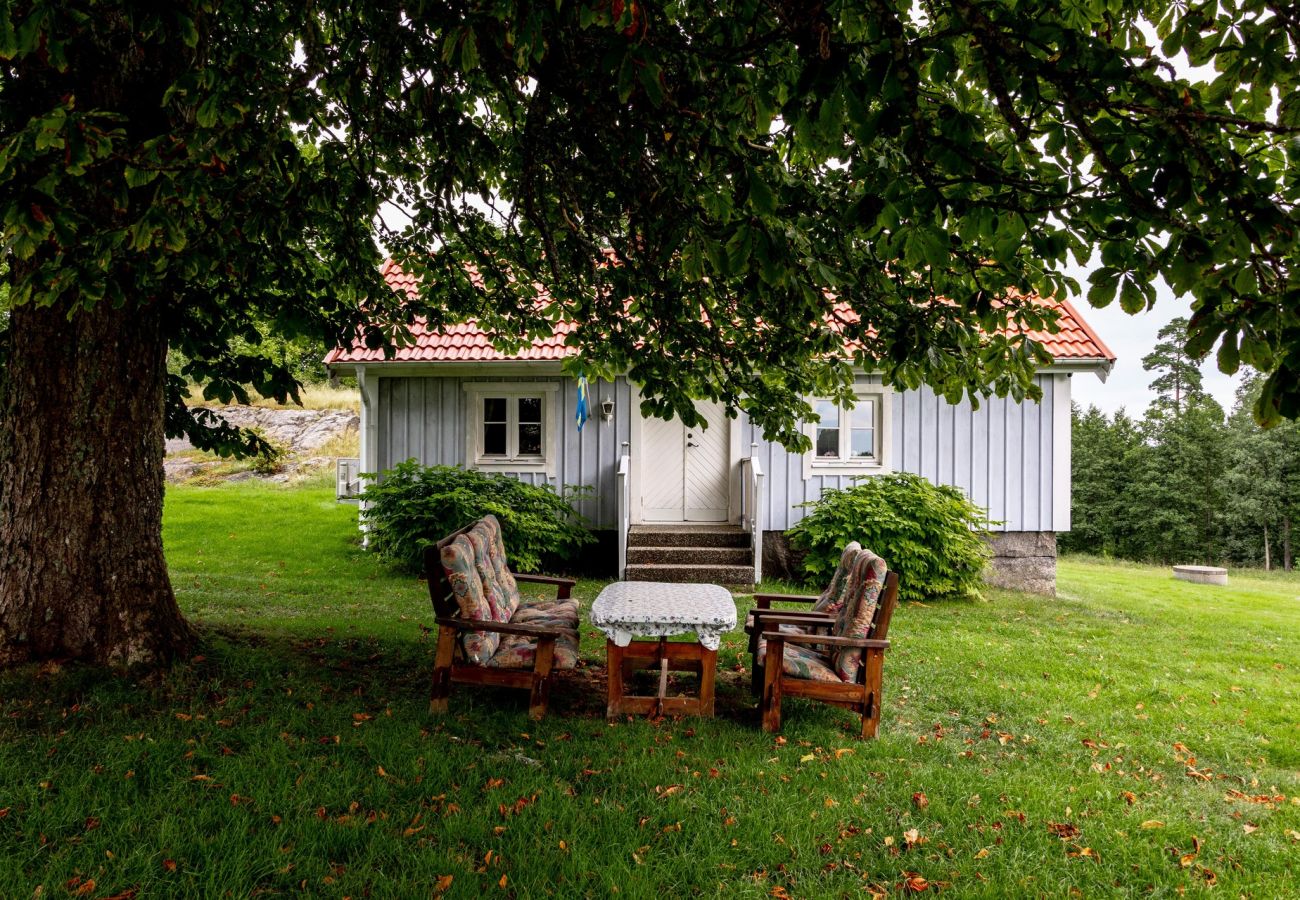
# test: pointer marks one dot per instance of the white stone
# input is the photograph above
(1201, 574)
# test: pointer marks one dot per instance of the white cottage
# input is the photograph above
(713, 504)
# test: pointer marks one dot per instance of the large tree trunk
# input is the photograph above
(82, 574)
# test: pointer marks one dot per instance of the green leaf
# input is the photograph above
(1130, 297)
(761, 197)
(139, 177)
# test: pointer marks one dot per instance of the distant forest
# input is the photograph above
(1185, 483)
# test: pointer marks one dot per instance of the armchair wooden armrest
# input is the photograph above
(765, 601)
(826, 640)
(563, 586)
(776, 618)
(801, 614)
(537, 631)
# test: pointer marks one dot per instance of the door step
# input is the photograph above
(690, 553)
(687, 535)
(691, 556)
(741, 575)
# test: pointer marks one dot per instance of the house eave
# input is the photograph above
(1099, 366)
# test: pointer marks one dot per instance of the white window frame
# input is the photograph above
(879, 464)
(477, 392)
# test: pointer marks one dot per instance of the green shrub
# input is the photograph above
(932, 536)
(415, 506)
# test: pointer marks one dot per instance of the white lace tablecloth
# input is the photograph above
(651, 609)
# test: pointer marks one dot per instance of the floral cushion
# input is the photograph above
(490, 529)
(467, 588)
(856, 618)
(531, 612)
(496, 598)
(800, 662)
(519, 651)
(832, 599)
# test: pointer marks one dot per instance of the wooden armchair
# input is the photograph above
(812, 659)
(486, 635)
(798, 621)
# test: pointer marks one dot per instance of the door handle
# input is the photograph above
(689, 444)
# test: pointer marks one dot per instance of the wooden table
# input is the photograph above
(651, 611)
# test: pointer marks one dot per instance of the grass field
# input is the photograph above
(1135, 737)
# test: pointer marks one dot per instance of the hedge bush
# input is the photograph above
(415, 506)
(932, 536)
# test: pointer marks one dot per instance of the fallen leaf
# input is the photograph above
(915, 883)
(1063, 830)
(912, 838)
(169, 865)
(87, 887)
(502, 882)
(1249, 828)
(843, 751)
(444, 884)
(807, 757)
(1153, 823)
(1129, 797)
(920, 801)
(983, 853)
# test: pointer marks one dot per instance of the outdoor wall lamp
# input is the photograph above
(607, 409)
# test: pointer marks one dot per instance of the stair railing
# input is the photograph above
(751, 506)
(623, 506)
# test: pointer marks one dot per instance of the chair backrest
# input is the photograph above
(885, 608)
(832, 599)
(444, 601)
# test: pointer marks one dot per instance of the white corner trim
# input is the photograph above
(1062, 476)
(883, 465)
(368, 385)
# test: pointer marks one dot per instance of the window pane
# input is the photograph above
(494, 439)
(828, 443)
(494, 410)
(829, 415)
(864, 442)
(864, 414)
(530, 440)
(530, 409)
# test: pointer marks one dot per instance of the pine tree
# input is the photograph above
(1179, 375)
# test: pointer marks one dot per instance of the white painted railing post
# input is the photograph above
(623, 506)
(755, 512)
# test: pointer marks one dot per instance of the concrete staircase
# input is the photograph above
(697, 554)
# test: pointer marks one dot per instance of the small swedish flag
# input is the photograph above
(581, 415)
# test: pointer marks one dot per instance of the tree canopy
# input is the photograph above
(691, 181)
(932, 165)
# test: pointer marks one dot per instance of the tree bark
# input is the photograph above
(82, 574)
(1287, 560)
(1268, 561)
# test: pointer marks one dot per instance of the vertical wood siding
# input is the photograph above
(1000, 455)
(424, 418)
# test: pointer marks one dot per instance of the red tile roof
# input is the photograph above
(465, 342)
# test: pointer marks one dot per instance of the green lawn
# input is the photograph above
(1135, 737)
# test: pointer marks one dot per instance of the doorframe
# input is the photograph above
(636, 445)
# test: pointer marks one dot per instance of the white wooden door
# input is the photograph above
(684, 471)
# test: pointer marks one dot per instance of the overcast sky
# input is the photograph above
(1130, 338)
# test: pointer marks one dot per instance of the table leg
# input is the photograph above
(708, 668)
(663, 676)
(614, 666)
